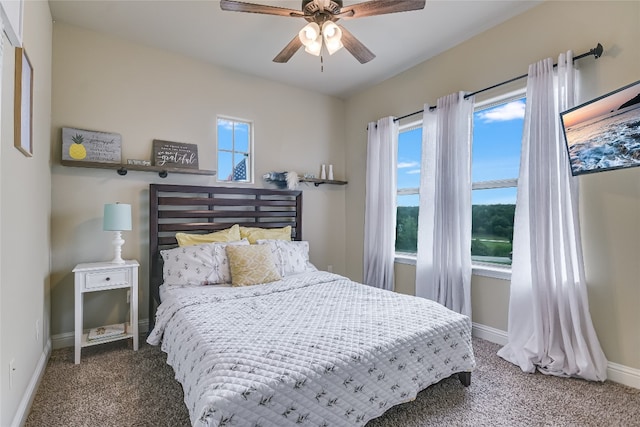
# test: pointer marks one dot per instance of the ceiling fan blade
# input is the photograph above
(355, 47)
(289, 50)
(380, 7)
(239, 6)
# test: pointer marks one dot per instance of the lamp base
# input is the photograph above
(118, 241)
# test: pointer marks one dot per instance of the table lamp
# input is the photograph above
(117, 218)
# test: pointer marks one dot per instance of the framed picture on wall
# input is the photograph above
(604, 133)
(23, 104)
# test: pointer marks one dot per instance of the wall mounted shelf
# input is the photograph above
(122, 169)
(317, 182)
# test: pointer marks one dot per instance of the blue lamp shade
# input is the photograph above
(117, 217)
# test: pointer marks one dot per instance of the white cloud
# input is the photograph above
(413, 172)
(511, 111)
(404, 165)
(226, 124)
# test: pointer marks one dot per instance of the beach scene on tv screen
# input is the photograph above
(605, 134)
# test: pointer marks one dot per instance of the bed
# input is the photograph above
(312, 348)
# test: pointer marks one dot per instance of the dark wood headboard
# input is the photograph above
(198, 209)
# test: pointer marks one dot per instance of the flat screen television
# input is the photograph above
(604, 133)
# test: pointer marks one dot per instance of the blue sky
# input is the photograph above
(497, 133)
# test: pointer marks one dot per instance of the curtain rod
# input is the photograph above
(596, 52)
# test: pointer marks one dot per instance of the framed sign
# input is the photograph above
(175, 154)
(23, 104)
(91, 146)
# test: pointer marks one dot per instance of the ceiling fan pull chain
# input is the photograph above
(321, 64)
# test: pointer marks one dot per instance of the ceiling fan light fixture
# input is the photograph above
(332, 37)
(324, 13)
(309, 34)
(331, 30)
(315, 47)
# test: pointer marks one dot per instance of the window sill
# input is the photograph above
(408, 259)
(494, 271)
(485, 270)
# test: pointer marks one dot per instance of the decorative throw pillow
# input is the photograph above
(231, 234)
(291, 257)
(251, 265)
(189, 265)
(220, 272)
(253, 234)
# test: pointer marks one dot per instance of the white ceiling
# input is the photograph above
(247, 42)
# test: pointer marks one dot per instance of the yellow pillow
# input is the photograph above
(254, 234)
(231, 234)
(251, 265)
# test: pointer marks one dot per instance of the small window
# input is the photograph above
(235, 146)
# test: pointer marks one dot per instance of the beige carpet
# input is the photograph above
(114, 386)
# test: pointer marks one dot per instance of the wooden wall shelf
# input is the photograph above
(317, 182)
(122, 169)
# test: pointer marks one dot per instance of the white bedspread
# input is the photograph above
(313, 349)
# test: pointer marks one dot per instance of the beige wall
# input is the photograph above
(25, 190)
(610, 203)
(103, 83)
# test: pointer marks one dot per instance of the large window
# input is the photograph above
(495, 164)
(235, 144)
(497, 136)
(409, 156)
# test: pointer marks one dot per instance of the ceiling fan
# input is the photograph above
(322, 16)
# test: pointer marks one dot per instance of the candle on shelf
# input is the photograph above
(331, 172)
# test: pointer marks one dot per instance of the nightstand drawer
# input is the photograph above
(103, 279)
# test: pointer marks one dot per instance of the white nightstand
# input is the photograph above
(104, 276)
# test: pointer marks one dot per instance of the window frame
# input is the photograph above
(249, 155)
(478, 268)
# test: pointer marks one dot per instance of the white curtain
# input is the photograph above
(443, 266)
(550, 326)
(380, 204)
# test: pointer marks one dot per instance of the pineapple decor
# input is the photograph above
(77, 150)
(88, 146)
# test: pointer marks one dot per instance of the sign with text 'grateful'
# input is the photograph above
(175, 154)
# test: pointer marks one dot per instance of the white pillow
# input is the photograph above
(197, 264)
(292, 257)
(187, 265)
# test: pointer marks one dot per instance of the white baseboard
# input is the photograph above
(623, 375)
(490, 334)
(30, 393)
(615, 372)
(66, 339)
